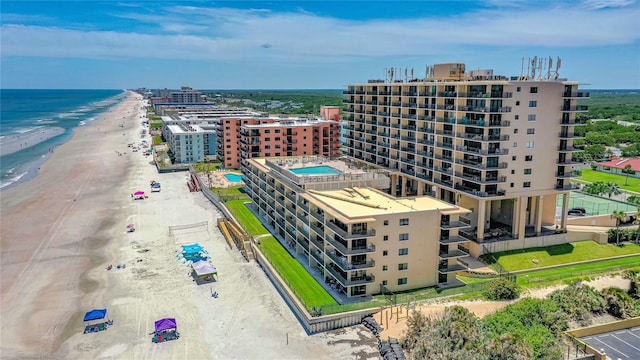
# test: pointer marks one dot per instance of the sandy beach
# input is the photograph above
(62, 229)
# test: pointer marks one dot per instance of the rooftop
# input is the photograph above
(621, 163)
(362, 202)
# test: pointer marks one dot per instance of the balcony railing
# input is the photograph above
(345, 265)
(318, 229)
(568, 187)
(353, 251)
(453, 254)
(453, 224)
(353, 235)
(353, 281)
(453, 239)
(451, 268)
(317, 216)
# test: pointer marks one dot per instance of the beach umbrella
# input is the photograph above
(138, 193)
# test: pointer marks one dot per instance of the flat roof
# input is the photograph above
(367, 202)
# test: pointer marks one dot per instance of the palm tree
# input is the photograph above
(612, 188)
(629, 171)
(637, 222)
(619, 215)
(634, 199)
(596, 188)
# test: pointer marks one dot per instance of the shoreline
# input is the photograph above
(56, 232)
(10, 144)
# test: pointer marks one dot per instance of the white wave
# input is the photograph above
(82, 123)
(12, 179)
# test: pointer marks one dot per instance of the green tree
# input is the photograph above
(634, 199)
(628, 169)
(619, 215)
(611, 188)
(596, 188)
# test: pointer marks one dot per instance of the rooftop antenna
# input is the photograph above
(540, 68)
(391, 75)
(558, 62)
(412, 74)
(406, 76)
(534, 64)
(521, 69)
(549, 68)
(528, 69)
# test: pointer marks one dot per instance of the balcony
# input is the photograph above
(353, 281)
(345, 265)
(453, 225)
(318, 216)
(577, 108)
(480, 165)
(566, 175)
(353, 235)
(317, 257)
(353, 251)
(303, 206)
(455, 239)
(480, 179)
(568, 162)
(318, 229)
(576, 94)
(574, 122)
(568, 187)
(479, 193)
(568, 135)
(451, 268)
(457, 253)
(568, 149)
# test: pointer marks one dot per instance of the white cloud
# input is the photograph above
(226, 33)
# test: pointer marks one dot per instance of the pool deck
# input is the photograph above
(218, 179)
(295, 163)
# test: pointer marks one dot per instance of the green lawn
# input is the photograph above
(596, 176)
(570, 273)
(561, 254)
(202, 167)
(236, 192)
(305, 286)
(246, 218)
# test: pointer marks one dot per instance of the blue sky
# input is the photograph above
(307, 44)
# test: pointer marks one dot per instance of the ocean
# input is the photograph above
(24, 112)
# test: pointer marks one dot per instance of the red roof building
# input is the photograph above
(615, 166)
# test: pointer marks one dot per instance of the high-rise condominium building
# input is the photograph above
(501, 147)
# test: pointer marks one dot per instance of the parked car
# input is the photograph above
(579, 211)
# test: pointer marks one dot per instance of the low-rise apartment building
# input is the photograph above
(499, 146)
(352, 236)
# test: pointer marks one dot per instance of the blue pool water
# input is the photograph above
(316, 170)
(233, 177)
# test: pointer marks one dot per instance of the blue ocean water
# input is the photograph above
(22, 111)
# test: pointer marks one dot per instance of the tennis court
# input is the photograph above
(619, 344)
(594, 205)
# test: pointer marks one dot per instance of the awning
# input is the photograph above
(166, 324)
(204, 268)
(138, 193)
(192, 249)
(95, 314)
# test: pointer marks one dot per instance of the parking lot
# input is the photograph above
(619, 344)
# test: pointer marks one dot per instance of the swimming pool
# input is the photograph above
(233, 177)
(316, 170)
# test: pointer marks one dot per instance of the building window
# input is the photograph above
(527, 171)
(385, 238)
(513, 158)
(531, 131)
(531, 117)
(277, 146)
(515, 131)
(403, 237)
(384, 282)
(526, 184)
(277, 131)
(267, 139)
(267, 146)
(528, 158)
(403, 266)
(404, 222)
(267, 154)
(228, 152)
(529, 145)
(385, 268)
(385, 253)
(517, 103)
(513, 171)
(386, 222)
(533, 90)
(402, 281)
(533, 103)
(228, 146)
(518, 89)
(515, 144)
(277, 138)
(267, 131)
(517, 117)
(403, 251)
(511, 185)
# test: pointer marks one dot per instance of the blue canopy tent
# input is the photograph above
(192, 249)
(95, 314)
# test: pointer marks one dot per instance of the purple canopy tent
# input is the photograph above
(166, 324)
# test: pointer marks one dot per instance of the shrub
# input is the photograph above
(619, 303)
(501, 288)
(579, 301)
(634, 277)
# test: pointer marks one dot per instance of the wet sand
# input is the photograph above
(12, 143)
